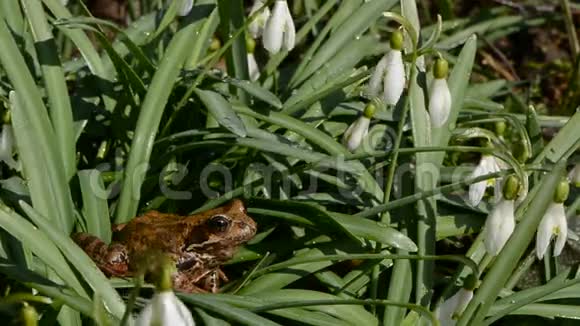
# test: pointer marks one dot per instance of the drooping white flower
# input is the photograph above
(487, 164)
(279, 33)
(453, 307)
(499, 226)
(64, 2)
(165, 309)
(439, 95)
(553, 223)
(501, 221)
(253, 69)
(358, 130)
(391, 72)
(574, 175)
(7, 146)
(185, 7)
(257, 25)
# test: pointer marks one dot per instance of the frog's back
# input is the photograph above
(153, 231)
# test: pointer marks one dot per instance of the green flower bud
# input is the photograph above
(521, 152)
(562, 191)
(369, 111)
(28, 315)
(500, 127)
(511, 188)
(396, 41)
(440, 69)
(470, 282)
(215, 44)
(250, 44)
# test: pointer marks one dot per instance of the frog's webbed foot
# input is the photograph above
(111, 259)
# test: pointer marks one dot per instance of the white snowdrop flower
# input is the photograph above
(165, 309)
(358, 130)
(253, 69)
(185, 7)
(487, 164)
(499, 226)
(439, 95)
(554, 223)
(7, 146)
(279, 33)
(451, 309)
(574, 175)
(390, 71)
(257, 25)
(501, 221)
(64, 2)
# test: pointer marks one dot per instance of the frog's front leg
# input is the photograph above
(111, 259)
(212, 281)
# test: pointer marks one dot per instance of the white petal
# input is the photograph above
(446, 310)
(554, 219)
(374, 86)
(185, 7)
(257, 25)
(499, 226)
(487, 164)
(561, 224)
(165, 309)
(453, 306)
(394, 82)
(276, 27)
(253, 69)
(477, 190)
(464, 296)
(356, 132)
(289, 31)
(439, 102)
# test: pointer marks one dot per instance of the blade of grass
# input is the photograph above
(81, 261)
(95, 207)
(148, 122)
(41, 246)
(53, 75)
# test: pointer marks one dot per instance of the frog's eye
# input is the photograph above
(219, 223)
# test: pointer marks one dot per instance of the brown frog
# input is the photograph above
(198, 244)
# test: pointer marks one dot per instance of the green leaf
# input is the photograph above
(41, 246)
(258, 92)
(79, 259)
(222, 111)
(95, 207)
(359, 21)
(56, 88)
(148, 122)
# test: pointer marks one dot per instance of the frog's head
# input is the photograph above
(220, 231)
